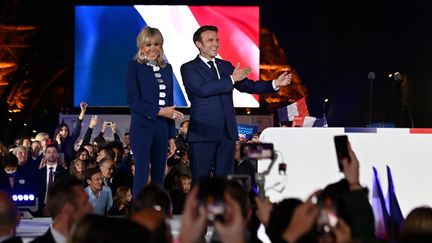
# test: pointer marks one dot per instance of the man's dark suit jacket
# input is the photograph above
(41, 182)
(45, 238)
(212, 99)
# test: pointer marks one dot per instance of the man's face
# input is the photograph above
(26, 143)
(36, 148)
(51, 155)
(107, 168)
(22, 156)
(82, 204)
(209, 44)
(95, 182)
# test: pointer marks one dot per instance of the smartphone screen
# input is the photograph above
(341, 144)
(256, 151)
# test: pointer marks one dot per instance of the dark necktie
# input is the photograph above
(213, 68)
(51, 177)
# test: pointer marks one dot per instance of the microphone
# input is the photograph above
(397, 76)
(324, 107)
(371, 77)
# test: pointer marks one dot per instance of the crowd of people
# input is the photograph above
(90, 192)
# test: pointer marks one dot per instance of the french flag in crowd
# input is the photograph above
(298, 108)
(309, 121)
(105, 41)
(388, 215)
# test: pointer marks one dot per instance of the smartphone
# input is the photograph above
(211, 195)
(256, 151)
(327, 220)
(341, 144)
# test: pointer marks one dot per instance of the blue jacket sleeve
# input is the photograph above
(134, 97)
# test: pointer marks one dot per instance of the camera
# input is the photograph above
(211, 195)
(256, 151)
(108, 124)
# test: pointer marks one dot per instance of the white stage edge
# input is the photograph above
(311, 161)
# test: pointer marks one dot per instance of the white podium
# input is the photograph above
(311, 161)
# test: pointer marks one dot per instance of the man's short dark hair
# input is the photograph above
(200, 30)
(92, 171)
(52, 146)
(59, 194)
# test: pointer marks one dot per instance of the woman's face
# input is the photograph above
(152, 50)
(64, 131)
(128, 197)
(79, 166)
(84, 155)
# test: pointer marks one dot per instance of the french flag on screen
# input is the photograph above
(105, 41)
(238, 34)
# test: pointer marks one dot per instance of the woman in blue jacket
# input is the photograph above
(149, 86)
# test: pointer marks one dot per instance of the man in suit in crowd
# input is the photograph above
(67, 203)
(52, 173)
(209, 83)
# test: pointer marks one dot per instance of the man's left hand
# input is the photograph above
(283, 80)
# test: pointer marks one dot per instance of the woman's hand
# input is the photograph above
(171, 113)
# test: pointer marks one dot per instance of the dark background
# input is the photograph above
(332, 45)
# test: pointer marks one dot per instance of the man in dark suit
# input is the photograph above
(48, 175)
(209, 84)
(67, 203)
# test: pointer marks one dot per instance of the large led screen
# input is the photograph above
(105, 41)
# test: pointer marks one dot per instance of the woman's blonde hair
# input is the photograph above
(149, 35)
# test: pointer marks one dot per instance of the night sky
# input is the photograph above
(334, 47)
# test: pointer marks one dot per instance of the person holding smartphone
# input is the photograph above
(149, 87)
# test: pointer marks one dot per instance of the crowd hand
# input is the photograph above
(232, 230)
(302, 221)
(83, 106)
(240, 73)
(264, 208)
(104, 126)
(172, 146)
(342, 232)
(93, 121)
(171, 113)
(42, 164)
(113, 127)
(351, 170)
(193, 219)
(284, 79)
(58, 138)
